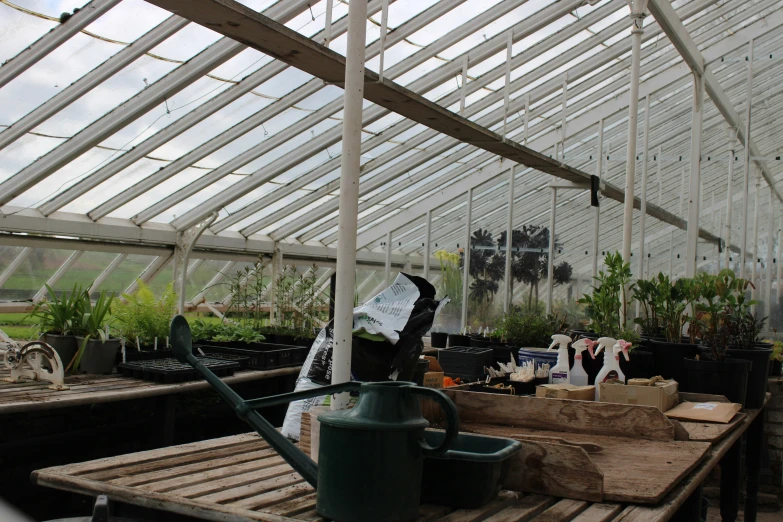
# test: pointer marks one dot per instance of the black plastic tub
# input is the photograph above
(465, 361)
(480, 342)
(458, 340)
(641, 364)
(470, 474)
(256, 360)
(669, 360)
(775, 368)
(438, 339)
(728, 378)
(759, 374)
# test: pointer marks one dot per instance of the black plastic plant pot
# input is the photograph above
(133, 354)
(775, 368)
(759, 374)
(287, 340)
(522, 388)
(640, 365)
(438, 339)
(669, 360)
(470, 474)
(480, 342)
(64, 345)
(458, 340)
(728, 377)
(503, 354)
(98, 357)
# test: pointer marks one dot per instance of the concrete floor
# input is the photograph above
(714, 516)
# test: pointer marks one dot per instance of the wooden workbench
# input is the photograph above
(94, 389)
(240, 479)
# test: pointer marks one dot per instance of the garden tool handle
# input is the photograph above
(452, 419)
(285, 398)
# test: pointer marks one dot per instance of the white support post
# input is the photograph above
(117, 261)
(563, 115)
(746, 163)
(382, 42)
(671, 236)
(637, 18)
(597, 210)
(41, 295)
(507, 88)
(643, 208)
(551, 258)
(694, 193)
(658, 164)
(407, 267)
(466, 261)
(387, 264)
(328, 22)
(779, 261)
(186, 240)
(276, 269)
(509, 242)
(349, 199)
(526, 119)
(20, 258)
(770, 249)
(427, 244)
(464, 87)
(730, 194)
(753, 273)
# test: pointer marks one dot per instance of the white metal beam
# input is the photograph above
(58, 274)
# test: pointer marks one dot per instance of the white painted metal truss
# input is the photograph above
(124, 125)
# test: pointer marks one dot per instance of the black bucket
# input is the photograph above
(438, 339)
(458, 340)
(728, 378)
(640, 365)
(669, 360)
(759, 374)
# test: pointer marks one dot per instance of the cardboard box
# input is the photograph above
(433, 380)
(566, 391)
(664, 395)
(721, 412)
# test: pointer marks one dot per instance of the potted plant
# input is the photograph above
(669, 355)
(713, 370)
(143, 318)
(776, 359)
(97, 351)
(55, 317)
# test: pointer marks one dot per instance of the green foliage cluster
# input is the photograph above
(529, 329)
(224, 332)
(144, 316)
(609, 297)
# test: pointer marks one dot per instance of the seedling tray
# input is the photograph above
(264, 356)
(132, 354)
(230, 357)
(465, 361)
(171, 371)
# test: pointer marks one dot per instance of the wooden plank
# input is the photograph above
(294, 506)
(639, 471)
(304, 433)
(505, 499)
(135, 391)
(184, 470)
(563, 511)
(238, 486)
(525, 509)
(150, 455)
(194, 478)
(599, 513)
(595, 418)
(711, 431)
(283, 494)
(233, 495)
(430, 512)
(160, 501)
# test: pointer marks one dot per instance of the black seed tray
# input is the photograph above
(265, 356)
(170, 371)
(465, 361)
(256, 360)
(229, 357)
(132, 354)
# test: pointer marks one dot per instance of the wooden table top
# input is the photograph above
(241, 479)
(94, 389)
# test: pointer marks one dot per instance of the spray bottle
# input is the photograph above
(611, 368)
(578, 373)
(560, 373)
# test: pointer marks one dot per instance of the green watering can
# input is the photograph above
(370, 457)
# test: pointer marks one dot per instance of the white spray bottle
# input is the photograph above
(560, 373)
(611, 368)
(578, 373)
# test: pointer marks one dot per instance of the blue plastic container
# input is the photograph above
(539, 356)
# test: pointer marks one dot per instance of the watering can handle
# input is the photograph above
(452, 418)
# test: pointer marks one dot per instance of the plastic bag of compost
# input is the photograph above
(387, 332)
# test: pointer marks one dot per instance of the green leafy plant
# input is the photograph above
(524, 328)
(608, 302)
(673, 309)
(92, 321)
(777, 351)
(143, 316)
(56, 315)
(648, 293)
